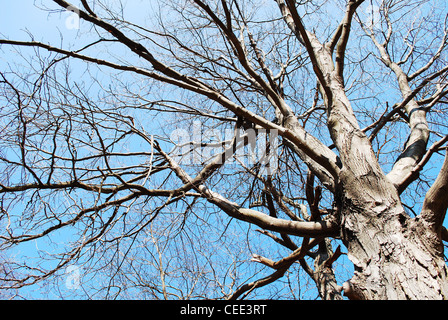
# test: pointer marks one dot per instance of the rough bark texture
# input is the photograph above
(323, 273)
(393, 258)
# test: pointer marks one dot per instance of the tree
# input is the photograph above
(324, 126)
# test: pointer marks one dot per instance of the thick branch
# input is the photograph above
(308, 39)
(436, 200)
(299, 228)
(309, 145)
(415, 147)
(414, 173)
(344, 35)
(280, 266)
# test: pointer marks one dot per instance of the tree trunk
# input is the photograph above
(395, 257)
(323, 274)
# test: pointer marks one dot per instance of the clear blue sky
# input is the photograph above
(19, 16)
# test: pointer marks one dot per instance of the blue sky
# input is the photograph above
(19, 16)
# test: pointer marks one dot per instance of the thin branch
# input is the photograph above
(280, 266)
(300, 228)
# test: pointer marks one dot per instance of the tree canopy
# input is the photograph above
(226, 149)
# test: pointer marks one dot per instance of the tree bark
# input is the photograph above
(392, 256)
(395, 257)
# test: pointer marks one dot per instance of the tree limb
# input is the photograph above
(299, 228)
(342, 41)
(280, 266)
(436, 200)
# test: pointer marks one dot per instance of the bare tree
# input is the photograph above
(297, 131)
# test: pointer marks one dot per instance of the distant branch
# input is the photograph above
(280, 266)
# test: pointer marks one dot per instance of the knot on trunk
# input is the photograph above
(352, 291)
